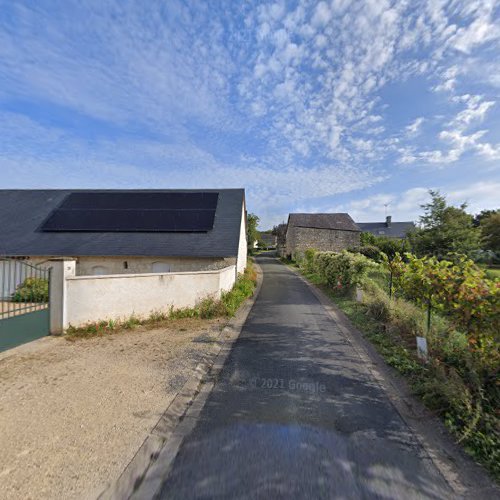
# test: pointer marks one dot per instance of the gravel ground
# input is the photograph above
(73, 414)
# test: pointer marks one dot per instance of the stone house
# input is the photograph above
(324, 232)
(112, 232)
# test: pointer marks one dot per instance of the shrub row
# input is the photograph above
(342, 271)
(460, 379)
(459, 290)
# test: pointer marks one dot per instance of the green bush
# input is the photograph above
(307, 263)
(370, 251)
(227, 305)
(342, 271)
(32, 290)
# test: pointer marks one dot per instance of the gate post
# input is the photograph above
(60, 270)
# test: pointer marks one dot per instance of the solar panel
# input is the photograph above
(140, 200)
(134, 212)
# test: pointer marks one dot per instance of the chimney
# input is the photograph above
(388, 221)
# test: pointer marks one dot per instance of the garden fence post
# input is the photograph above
(429, 308)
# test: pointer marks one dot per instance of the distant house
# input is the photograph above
(267, 240)
(112, 232)
(324, 232)
(388, 228)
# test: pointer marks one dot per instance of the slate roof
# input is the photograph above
(23, 211)
(338, 221)
(394, 230)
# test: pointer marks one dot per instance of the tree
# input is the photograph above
(445, 230)
(372, 245)
(280, 232)
(368, 238)
(490, 231)
(252, 233)
(484, 214)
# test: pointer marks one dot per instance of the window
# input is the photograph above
(99, 270)
(160, 267)
(381, 232)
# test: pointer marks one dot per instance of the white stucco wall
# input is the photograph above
(86, 266)
(242, 247)
(117, 297)
(136, 265)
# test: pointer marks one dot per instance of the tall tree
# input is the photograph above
(484, 214)
(445, 229)
(490, 231)
(252, 233)
(280, 232)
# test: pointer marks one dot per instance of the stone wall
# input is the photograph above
(299, 239)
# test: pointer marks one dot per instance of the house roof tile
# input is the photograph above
(338, 221)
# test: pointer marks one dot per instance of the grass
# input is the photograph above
(450, 384)
(395, 351)
(208, 308)
(228, 303)
(493, 272)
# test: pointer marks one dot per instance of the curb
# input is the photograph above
(142, 477)
(464, 476)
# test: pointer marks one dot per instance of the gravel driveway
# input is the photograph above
(73, 414)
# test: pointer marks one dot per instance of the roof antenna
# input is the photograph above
(385, 208)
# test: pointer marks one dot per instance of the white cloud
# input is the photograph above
(293, 95)
(322, 14)
(414, 127)
(458, 135)
(475, 110)
(448, 79)
(270, 182)
(407, 205)
(478, 196)
(481, 30)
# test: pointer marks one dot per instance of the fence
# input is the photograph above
(78, 300)
(24, 302)
(24, 288)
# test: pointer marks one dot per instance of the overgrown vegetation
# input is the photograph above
(228, 303)
(459, 381)
(208, 308)
(252, 232)
(32, 290)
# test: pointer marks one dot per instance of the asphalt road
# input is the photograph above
(297, 414)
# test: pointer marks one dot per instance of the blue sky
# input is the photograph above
(311, 106)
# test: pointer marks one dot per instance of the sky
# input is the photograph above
(332, 106)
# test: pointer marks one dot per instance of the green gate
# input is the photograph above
(24, 302)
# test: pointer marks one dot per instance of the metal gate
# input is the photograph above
(24, 302)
